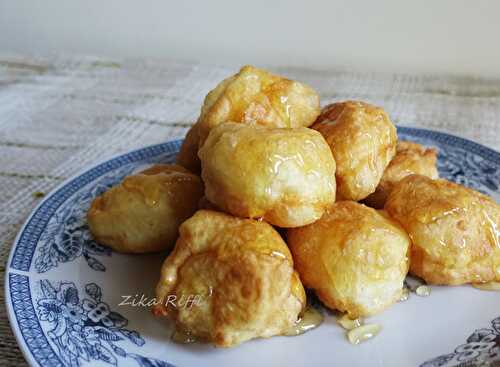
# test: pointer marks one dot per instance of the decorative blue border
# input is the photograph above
(26, 245)
(31, 330)
(444, 138)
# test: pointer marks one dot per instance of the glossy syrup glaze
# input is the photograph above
(311, 319)
(182, 337)
(285, 176)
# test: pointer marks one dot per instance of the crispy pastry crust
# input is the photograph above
(363, 141)
(243, 271)
(455, 230)
(411, 158)
(354, 257)
(142, 214)
(285, 176)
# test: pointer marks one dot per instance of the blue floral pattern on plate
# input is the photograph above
(67, 237)
(85, 329)
(482, 349)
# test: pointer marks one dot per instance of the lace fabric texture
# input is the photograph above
(59, 114)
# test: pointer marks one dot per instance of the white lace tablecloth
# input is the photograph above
(59, 115)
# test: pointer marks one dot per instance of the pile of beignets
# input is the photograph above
(271, 194)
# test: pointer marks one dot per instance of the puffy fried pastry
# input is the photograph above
(363, 142)
(454, 230)
(285, 176)
(241, 271)
(411, 158)
(188, 153)
(255, 96)
(143, 213)
(354, 257)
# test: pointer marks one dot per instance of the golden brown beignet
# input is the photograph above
(255, 96)
(454, 230)
(188, 153)
(411, 158)
(143, 213)
(285, 176)
(363, 141)
(240, 269)
(354, 257)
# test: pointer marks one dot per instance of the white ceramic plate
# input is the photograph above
(64, 290)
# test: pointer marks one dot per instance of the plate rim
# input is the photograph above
(440, 136)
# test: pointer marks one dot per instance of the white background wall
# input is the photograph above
(455, 36)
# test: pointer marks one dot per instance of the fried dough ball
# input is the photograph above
(255, 96)
(284, 176)
(454, 230)
(240, 270)
(354, 257)
(142, 214)
(188, 153)
(363, 141)
(411, 158)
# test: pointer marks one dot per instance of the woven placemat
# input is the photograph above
(59, 115)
